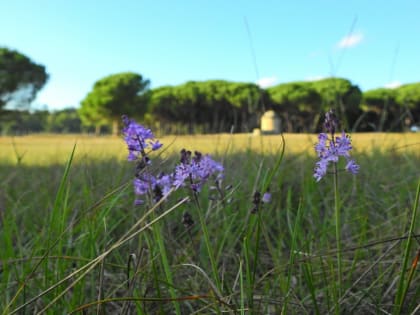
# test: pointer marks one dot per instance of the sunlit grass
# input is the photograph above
(56, 228)
(48, 149)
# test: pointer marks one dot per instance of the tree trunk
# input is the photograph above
(115, 127)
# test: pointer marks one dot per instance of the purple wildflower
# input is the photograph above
(143, 184)
(321, 169)
(195, 170)
(352, 167)
(139, 202)
(266, 198)
(330, 122)
(156, 145)
(138, 139)
(258, 201)
(343, 145)
(147, 183)
(330, 149)
(321, 146)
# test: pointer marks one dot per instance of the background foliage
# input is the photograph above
(20, 78)
(210, 106)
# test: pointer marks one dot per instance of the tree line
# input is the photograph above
(200, 106)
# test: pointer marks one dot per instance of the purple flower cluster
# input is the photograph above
(192, 172)
(147, 183)
(258, 201)
(330, 149)
(138, 139)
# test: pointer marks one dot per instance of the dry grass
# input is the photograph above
(50, 149)
(82, 217)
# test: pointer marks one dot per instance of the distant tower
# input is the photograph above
(270, 123)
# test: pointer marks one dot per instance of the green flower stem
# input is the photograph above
(157, 231)
(337, 232)
(208, 243)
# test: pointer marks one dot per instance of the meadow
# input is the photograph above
(72, 241)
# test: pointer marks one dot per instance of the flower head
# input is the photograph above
(329, 150)
(158, 187)
(352, 167)
(138, 139)
(266, 198)
(330, 122)
(192, 171)
(195, 170)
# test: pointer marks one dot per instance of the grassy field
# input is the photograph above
(50, 149)
(73, 242)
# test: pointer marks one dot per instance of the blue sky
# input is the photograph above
(372, 43)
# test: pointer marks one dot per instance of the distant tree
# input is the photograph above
(161, 104)
(380, 110)
(189, 104)
(92, 118)
(19, 122)
(64, 121)
(408, 97)
(299, 105)
(208, 106)
(342, 96)
(247, 101)
(119, 94)
(20, 79)
(219, 110)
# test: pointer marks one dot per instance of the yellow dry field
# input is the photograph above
(50, 149)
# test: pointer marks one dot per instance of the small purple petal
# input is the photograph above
(352, 167)
(156, 145)
(343, 145)
(320, 169)
(266, 198)
(141, 186)
(138, 202)
(138, 139)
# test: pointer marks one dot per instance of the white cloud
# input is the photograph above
(350, 41)
(267, 82)
(315, 78)
(393, 85)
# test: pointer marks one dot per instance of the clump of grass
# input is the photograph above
(73, 240)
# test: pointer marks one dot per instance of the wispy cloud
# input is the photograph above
(267, 81)
(350, 41)
(393, 85)
(315, 78)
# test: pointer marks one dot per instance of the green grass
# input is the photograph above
(72, 240)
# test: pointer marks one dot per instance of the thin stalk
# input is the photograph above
(157, 231)
(89, 266)
(404, 285)
(293, 248)
(241, 284)
(257, 243)
(58, 197)
(337, 235)
(208, 243)
(249, 283)
(308, 275)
